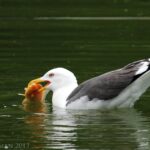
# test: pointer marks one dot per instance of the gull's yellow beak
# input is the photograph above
(44, 83)
(38, 80)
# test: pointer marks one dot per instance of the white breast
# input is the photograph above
(61, 94)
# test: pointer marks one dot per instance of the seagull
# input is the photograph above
(115, 89)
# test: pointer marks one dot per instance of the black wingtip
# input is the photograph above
(148, 59)
(139, 75)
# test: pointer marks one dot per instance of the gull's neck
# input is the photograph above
(60, 95)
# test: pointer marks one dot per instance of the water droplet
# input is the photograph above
(6, 147)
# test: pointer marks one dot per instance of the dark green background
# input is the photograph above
(38, 35)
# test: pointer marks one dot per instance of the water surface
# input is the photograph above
(89, 38)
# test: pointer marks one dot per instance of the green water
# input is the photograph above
(87, 37)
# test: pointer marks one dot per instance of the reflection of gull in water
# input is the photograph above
(56, 130)
(138, 123)
(122, 128)
(63, 130)
(89, 129)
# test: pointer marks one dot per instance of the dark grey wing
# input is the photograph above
(109, 85)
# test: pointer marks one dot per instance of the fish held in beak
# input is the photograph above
(35, 90)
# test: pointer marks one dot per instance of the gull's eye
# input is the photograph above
(51, 74)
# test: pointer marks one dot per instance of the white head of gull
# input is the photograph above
(115, 89)
(62, 83)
